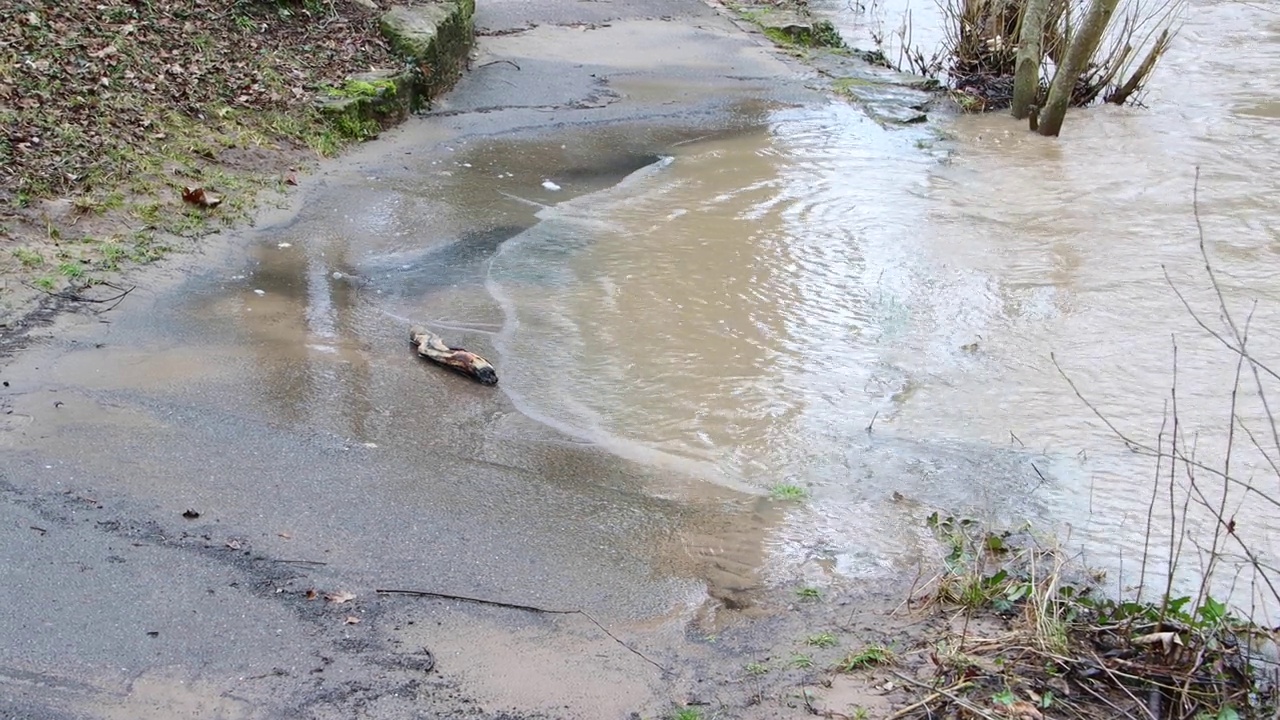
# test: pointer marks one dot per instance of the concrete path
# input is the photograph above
(202, 490)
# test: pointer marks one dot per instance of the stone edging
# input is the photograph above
(433, 39)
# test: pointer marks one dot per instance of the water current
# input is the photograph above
(862, 311)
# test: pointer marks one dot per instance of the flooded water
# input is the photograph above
(743, 310)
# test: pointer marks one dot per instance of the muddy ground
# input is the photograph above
(204, 488)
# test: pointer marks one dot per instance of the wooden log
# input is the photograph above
(431, 347)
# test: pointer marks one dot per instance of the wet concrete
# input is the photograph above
(268, 388)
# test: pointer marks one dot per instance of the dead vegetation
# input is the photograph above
(1029, 633)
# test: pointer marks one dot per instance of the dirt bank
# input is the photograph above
(111, 110)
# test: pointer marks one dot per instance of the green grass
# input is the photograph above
(46, 283)
(687, 714)
(870, 656)
(786, 491)
(808, 593)
(364, 88)
(29, 258)
(71, 270)
(801, 661)
(112, 254)
(757, 669)
(822, 640)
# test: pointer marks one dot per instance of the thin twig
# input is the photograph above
(921, 703)
(77, 297)
(947, 693)
(526, 608)
(495, 62)
(1144, 449)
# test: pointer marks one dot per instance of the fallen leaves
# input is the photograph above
(340, 597)
(86, 75)
(191, 514)
(1169, 641)
(351, 620)
(200, 198)
(1021, 710)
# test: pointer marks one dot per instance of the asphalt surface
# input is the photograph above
(202, 491)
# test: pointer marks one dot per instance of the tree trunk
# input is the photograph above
(1026, 76)
(1083, 45)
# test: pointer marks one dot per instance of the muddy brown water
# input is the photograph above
(734, 310)
(742, 310)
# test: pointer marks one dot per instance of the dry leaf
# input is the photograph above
(191, 514)
(339, 597)
(198, 197)
(233, 544)
(351, 620)
(1167, 640)
(285, 535)
(290, 179)
(1023, 710)
(312, 594)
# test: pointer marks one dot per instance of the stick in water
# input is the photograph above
(431, 347)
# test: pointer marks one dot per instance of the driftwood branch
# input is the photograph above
(75, 295)
(431, 347)
(526, 608)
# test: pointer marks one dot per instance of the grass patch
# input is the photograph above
(870, 656)
(364, 88)
(687, 714)
(29, 258)
(786, 491)
(808, 593)
(822, 640)
(757, 669)
(801, 661)
(71, 270)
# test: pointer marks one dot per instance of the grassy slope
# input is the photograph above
(110, 108)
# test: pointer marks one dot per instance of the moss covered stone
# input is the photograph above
(434, 39)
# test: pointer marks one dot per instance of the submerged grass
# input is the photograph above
(786, 491)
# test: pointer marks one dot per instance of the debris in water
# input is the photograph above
(284, 245)
(259, 291)
(339, 597)
(431, 347)
(198, 196)
(550, 185)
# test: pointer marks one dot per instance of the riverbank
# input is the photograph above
(135, 130)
